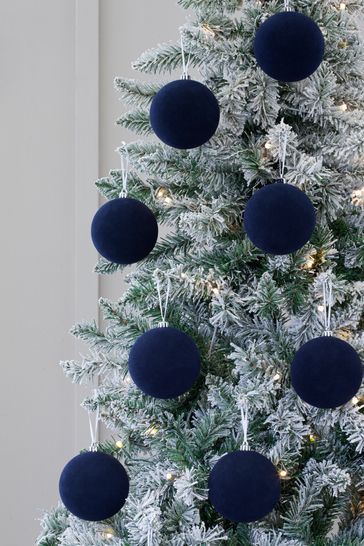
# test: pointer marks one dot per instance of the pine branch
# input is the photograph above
(136, 93)
(136, 121)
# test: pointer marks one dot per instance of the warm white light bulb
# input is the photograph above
(119, 444)
(169, 476)
(343, 107)
(320, 308)
(161, 193)
(355, 401)
(283, 473)
(151, 431)
(342, 6)
(277, 377)
(108, 533)
(268, 145)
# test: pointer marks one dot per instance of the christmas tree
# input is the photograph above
(247, 311)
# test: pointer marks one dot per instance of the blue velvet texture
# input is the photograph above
(124, 230)
(289, 46)
(279, 218)
(184, 114)
(326, 372)
(244, 486)
(164, 362)
(94, 486)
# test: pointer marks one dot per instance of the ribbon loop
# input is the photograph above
(185, 63)
(124, 160)
(327, 297)
(94, 429)
(244, 423)
(282, 149)
(163, 307)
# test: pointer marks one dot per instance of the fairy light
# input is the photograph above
(357, 197)
(183, 275)
(343, 107)
(119, 444)
(167, 200)
(268, 145)
(208, 30)
(152, 431)
(277, 377)
(216, 291)
(355, 401)
(309, 262)
(343, 44)
(342, 6)
(320, 308)
(169, 476)
(343, 333)
(283, 473)
(108, 533)
(161, 192)
(312, 438)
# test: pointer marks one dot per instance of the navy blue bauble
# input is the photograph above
(184, 114)
(124, 230)
(164, 362)
(326, 372)
(279, 218)
(289, 46)
(94, 486)
(244, 486)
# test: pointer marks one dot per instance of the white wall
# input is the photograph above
(46, 198)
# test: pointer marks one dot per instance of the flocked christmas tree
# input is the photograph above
(248, 312)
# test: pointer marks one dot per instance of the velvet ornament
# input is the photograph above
(279, 218)
(164, 362)
(124, 230)
(184, 114)
(244, 486)
(289, 46)
(326, 372)
(94, 486)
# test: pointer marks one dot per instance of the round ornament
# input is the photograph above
(279, 218)
(184, 114)
(326, 372)
(164, 362)
(289, 46)
(94, 486)
(244, 486)
(124, 230)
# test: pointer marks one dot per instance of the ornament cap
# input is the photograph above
(163, 324)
